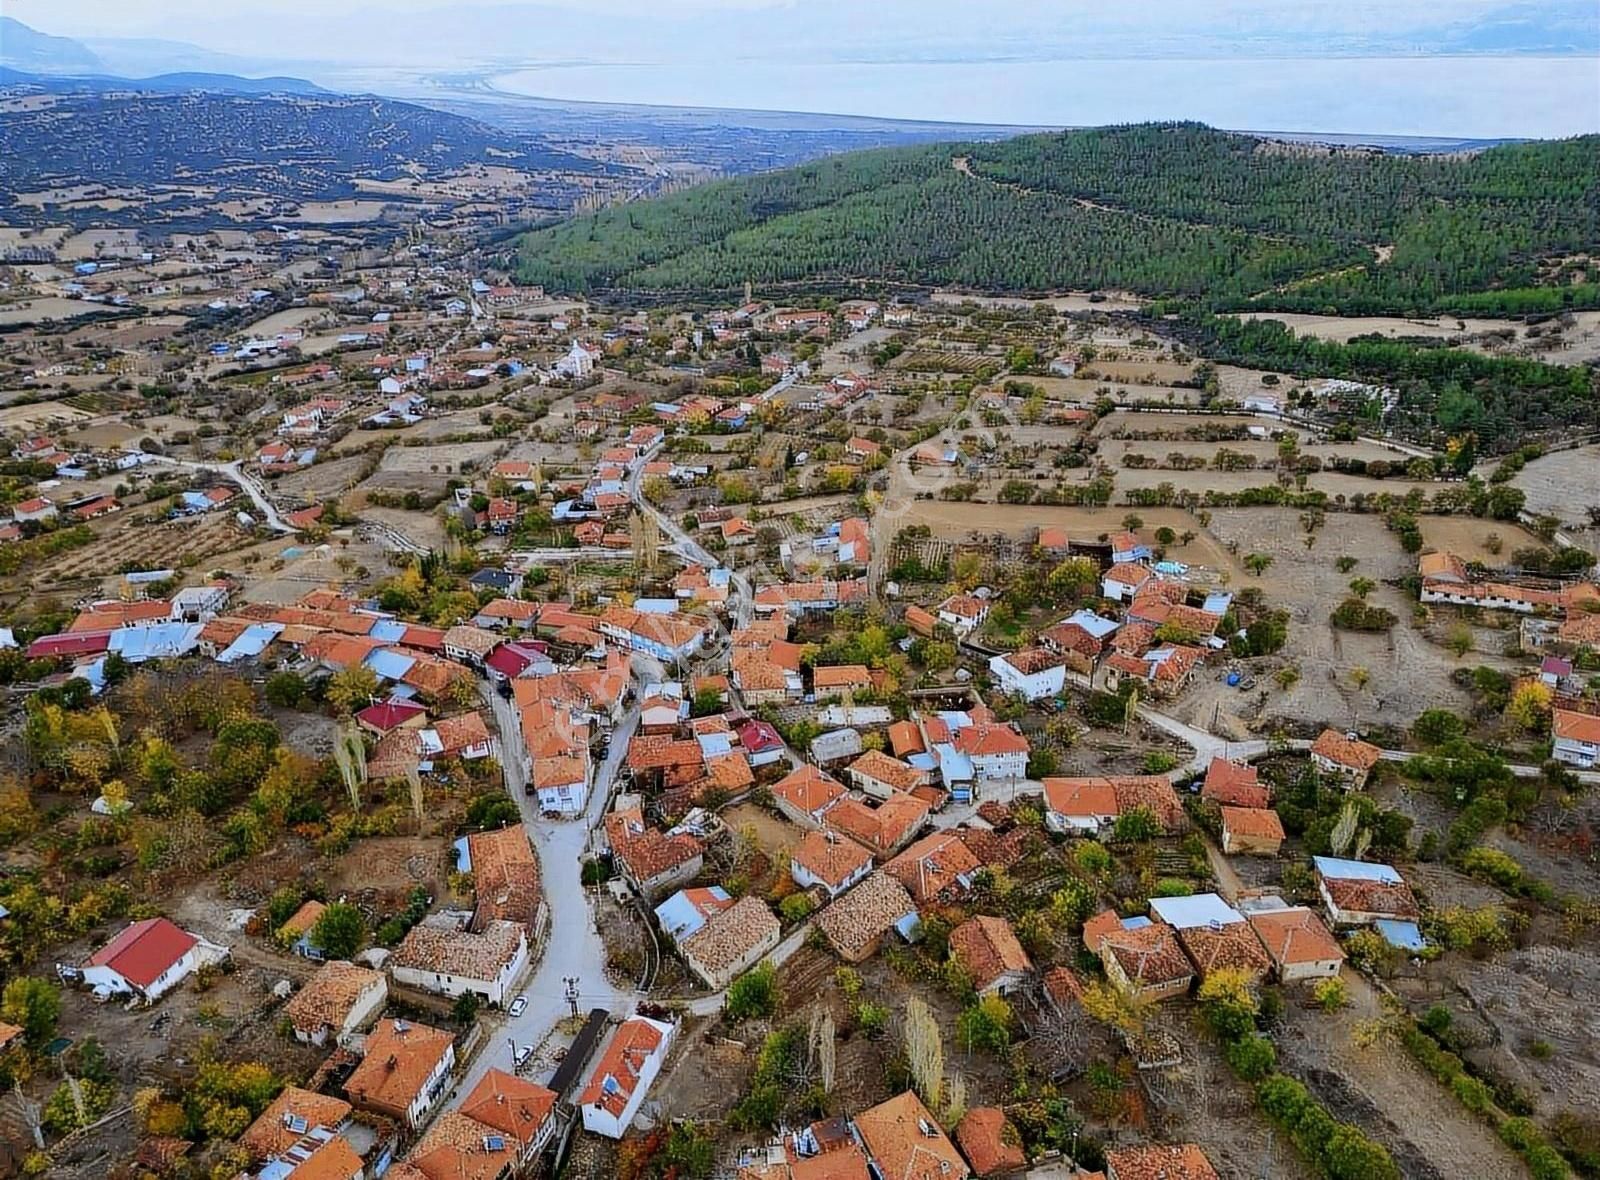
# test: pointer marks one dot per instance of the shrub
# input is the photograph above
(872, 1019)
(753, 994)
(797, 907)
(1252, 1057)
(1329, 994)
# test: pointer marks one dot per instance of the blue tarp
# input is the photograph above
(161, 641)
(252, 641)
(389, 665)
(680, 917)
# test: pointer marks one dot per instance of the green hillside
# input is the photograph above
(1175, 210)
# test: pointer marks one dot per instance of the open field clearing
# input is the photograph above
(1139, 372)
(320, 481)
(339, 212)
(198, 541)
(39, 416)
(1564, 484)
(1465, 536)
(47, 309)
(1342, 329)
(284, 321)
(91, 243)
(427, 469)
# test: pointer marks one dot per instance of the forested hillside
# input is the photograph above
(1177, 210)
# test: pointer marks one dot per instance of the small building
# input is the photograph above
(987, 949)
(904, 1141)
(1254, 830)
(1159, 1161)
(1145, 961)
(452, 961)
(828, 860)
(622, 1077)
(730, 942)
(523, 1111)
(1229, 784)
(687, 911)
(147, 960)
(879, 775)
(991, 1144)
(1297, 942)
(1124, 579)
(1358, 893)
(1346, 757)
(855, 924)
(295, 1119)
(963, 613)
(939, 867)
(337, 1002)
(836, 745)
(1224, 946)
(406, 1068)
(1574, 738)
(806, 793)
(650, 860)
(1034, 674)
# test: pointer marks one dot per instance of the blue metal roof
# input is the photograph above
(252, 641)
(388, 630)
(680, 917)
(161, 641)
(389, 664)
(1202, 909)
(1405, 935)
(1356, 870)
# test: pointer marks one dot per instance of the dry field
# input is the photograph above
(1103, 301)
(38, 416)
(159, 546)
(1140, 372)
(283, 321)
(320, 481)
(91, 243)
(1342, 329)
(1465, 535)
(46, 309)
(1564, 484)
(339, 212)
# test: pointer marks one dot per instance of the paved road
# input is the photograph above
(741, 599)
(573, 947)
(235, 474)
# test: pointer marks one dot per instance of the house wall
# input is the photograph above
(493, 991)
(670, 880)
(1120, 980)
(1575, 753)
(792, 812)
(1352, 779)
(805, 878)
(1233, 842)
(717, 979)
(417, 1111)
(601, 1122)
(1076, 825)
(1000, 767)
(567, 798)
(1031, 687)
(1004, 984)
(1315, 969)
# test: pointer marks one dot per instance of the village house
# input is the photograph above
(904, 1141)
(406, 1068)
(438, 955)
(295, 1119)
(805, 794)
(856, 923)
(1033, 673)
(829, 861)
(621, 1078)
(1574, 738)
(146, 960)
(338, 1001)
(1297, 942)
(991, 1143)
(1229, 784)
(455, 1147)
(469, 645)
(1358, 893)
(521, 1110)
(730, 941)
(986, 948)
(1254, 830)
(940, 867)
(963, 613)
(1080, 806)
(1159, 1161)
(1164, 672)
(1124, 580)
(997, 753)
(688, 910)
(838, 679)
(1141, 958)
(884, 829)
(650, 860)
(1347, 758)
(879, 775)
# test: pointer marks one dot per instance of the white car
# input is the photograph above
(518, 1005)
(523, 1054)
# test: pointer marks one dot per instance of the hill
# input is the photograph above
(25, 48)
(281, 147)
(1161, 209)
(178, 83)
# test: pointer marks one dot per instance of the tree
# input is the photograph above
(924, 1052)
(1361, 587)
(753, 995)
(465, 1009)
(1229, 1002)
(1529, 707)
(986, 1025)
(340, 931)
(285, 689)
(34, 1005)
(1137, 825)
(1257, 563)
(1459, 640)
(352, 688)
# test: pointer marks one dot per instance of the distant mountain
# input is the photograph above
(1176, 210)
(24, 48)
(143, 57)
(160, 84)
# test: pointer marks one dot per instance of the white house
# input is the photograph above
(147, 960)
(452, 961)
(1261, 403)
(578, 363)
(1032, 674)
(336, 1002)
(1080, 806)
(1122, 580)
(963, 613)
(623, 1075)
(406, 1068)
(1575, 738)
(998, 753)
(829, 860)
(1359, 893)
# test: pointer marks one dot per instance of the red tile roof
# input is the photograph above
(143, 951)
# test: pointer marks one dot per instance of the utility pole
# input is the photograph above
(572, 992)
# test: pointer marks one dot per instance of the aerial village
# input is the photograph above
(468, 735)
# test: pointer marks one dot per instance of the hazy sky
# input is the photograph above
(1462, 67)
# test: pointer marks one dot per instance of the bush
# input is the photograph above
(1252, 1057)
(872, 1019)
(753, 995)
(1329, 994)
(1355, 615)
(797, 907)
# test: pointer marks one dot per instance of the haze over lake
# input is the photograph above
(1450, 96)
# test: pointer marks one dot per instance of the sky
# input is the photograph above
(1459, 68)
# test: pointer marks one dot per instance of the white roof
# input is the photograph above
(1093, 623)
(1203, 909)
(1356, 870)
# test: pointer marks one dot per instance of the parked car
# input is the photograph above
(523, 1054)
(518, 1005)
